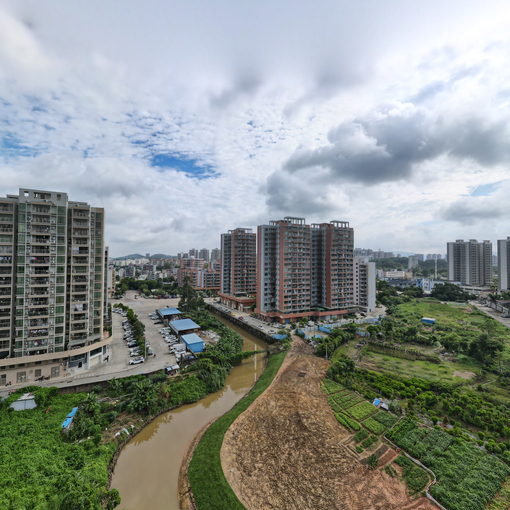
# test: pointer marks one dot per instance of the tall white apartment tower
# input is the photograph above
(470, 262)
(364, 283)
(52, 284)
(504, 264)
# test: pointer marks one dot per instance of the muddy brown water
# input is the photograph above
(147, 470)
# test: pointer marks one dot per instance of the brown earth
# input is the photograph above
(464, 375)
(288, 452)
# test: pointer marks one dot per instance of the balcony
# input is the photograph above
(40, 260)
(38, 271)
(78, 317)
(5, 259)
(38, 302)
(4, 229)
(5, 323)
(5, 292)
(6, 280)
(33, 344)
(41, 323)
(39, 281)
(79, 298)
(80, 279)
(39, 312)
(36, 333)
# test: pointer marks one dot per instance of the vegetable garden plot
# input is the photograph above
(374, 426)
(467, 477)
(362, 410)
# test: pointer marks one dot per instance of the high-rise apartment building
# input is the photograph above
(364, 283)
(470, 262)
(52, 290)
(204, 254)
(238, 268)
(504, 264)
(303, 270)
(215, 255)
(332, 265)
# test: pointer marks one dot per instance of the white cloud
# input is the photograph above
(94, 91)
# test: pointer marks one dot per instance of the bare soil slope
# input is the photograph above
(288, 452)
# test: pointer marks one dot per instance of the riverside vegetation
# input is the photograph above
(43, 468)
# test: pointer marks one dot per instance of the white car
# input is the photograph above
(137, 361)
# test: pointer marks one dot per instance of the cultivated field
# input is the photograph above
(287, 451)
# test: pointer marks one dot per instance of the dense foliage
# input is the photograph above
(450, 292)
(40, 469)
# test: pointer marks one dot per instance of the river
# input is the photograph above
(147, 469)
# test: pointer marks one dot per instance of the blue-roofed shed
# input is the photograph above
(166, 313)
(428, 320)
(193, 342)
(376, 402)
(184, 326)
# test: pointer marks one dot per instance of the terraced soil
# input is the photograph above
(288, 452)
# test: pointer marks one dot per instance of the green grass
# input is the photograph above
(208, 483)
(423, 369)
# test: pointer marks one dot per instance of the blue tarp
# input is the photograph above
(371, 320)
(67, 423)
(183, 325)
(376, 402)
(193, 342)
(279, 337)
(72, 413)
(428, 320)
(325, 329)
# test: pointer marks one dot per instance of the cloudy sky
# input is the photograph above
(186, 119)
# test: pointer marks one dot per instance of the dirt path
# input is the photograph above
(287, 450)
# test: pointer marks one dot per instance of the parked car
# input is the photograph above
(136, 361)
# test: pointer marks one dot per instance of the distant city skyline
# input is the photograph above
(391, 117)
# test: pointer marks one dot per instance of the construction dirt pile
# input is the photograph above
(287, 451)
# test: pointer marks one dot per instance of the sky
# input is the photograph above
(187, 119)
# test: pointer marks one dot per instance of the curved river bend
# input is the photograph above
(147, 470)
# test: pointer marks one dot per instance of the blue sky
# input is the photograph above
(187, 119)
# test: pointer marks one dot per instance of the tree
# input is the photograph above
(190, 298)
(372, 461)
(450, 292)
(486, 348)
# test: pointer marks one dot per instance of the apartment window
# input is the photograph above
(55, 371)
(37, 373)
(21, 377)
(3, 379)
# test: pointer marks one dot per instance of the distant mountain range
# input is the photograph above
(140, 256)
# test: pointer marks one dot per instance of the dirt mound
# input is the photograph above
(287, 450)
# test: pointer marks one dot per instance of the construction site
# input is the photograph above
(287, 451)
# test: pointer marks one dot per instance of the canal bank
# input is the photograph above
(147, 469)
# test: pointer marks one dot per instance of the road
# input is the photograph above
(489, 311)
(118, 352)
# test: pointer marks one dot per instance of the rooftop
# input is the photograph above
(183, 325)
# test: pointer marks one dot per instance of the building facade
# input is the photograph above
(504, 264)
(364, 284)
(238, 268)
(303, 270)
(470, 262)
(52, 297)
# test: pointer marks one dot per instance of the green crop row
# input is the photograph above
(374, 426)
(347, 422)
(415, 477)
(362, 410)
